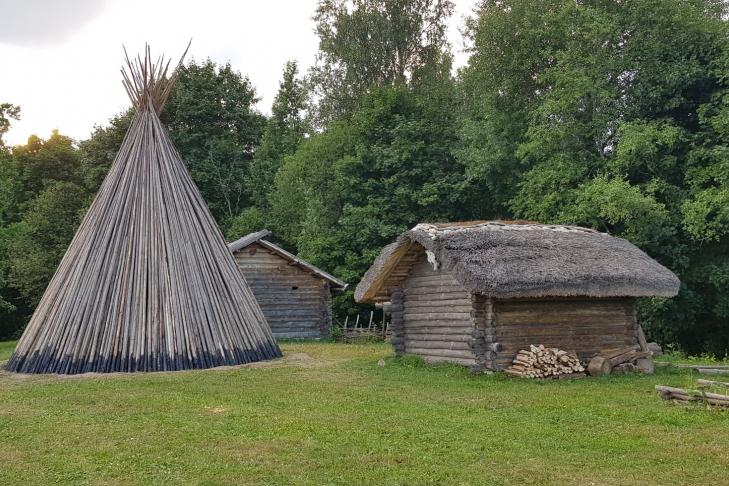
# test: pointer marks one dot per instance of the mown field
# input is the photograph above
(328, 414)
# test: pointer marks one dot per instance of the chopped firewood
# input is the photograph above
(542, 362)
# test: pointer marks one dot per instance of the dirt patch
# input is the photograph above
(215, 410)
(301, 360)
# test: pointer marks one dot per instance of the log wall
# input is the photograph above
(296, 303)
(435, 317)
(582, 325)
(437, 322)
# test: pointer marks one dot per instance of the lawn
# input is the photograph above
(328, 414)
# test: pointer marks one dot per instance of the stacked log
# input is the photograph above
(621, 360)
(542, 362)
(682, 395)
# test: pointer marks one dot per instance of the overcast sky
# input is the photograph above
(61, 59)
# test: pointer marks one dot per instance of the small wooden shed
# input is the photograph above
(476, 293)
(295, 296)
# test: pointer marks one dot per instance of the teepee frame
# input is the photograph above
(148, 282)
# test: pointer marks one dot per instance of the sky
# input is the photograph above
(61, 59)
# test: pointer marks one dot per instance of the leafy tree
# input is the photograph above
(512, 43)
(366, 43)
(41, 162)
(350, 190)
(41, 238)
(98, 152)
(612, 127)
(284, 132)
(215, 127)
(41, 202)
(252, 219)
(7, 112)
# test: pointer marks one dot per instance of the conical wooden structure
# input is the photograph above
(148, 282)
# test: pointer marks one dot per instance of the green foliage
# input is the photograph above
(612, 115)
(249, 221)
(98, 152)
(7, 112)
(366, 43)
(284, 132)
(215, 127)
(347, 192)
(42, 199)
(42, 162)
(41, 237)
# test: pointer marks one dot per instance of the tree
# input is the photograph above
(7, 112)
(512, 43)
(215, 127)
(366, 43)
(10, 318)
(284, 132)
(350, 190)
(609, 123)
(41, 202)
(98, 152)
(40, 239)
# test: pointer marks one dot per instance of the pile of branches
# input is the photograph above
(701, 396)
(541, 362)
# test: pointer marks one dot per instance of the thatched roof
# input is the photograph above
(148, 283)
(258, 237)
(506, 260)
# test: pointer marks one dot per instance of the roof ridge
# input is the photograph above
(434, 229)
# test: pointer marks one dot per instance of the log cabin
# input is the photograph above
(476, 293)
(295, 296)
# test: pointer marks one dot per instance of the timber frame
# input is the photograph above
(432, 316)
(295, 296)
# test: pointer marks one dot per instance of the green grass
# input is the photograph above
(328, 414)
(6, 349)
(678, 357)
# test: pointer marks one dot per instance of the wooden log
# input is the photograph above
(702, 382)
(449, 359)
(630, 356)
(713, 371)
(671, 393)
(599, 366)
(615, 352)
(445, 353)
(413, 343)
(641, 339)
(646, 365)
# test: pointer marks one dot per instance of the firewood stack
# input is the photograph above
(541, 362)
